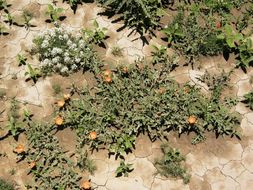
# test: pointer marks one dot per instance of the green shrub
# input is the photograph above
(146, 100)
(171, 164)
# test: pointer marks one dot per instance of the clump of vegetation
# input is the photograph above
(62, 52)
(216, 83)
(170, 165)
(123, 169)
(248, 99)
(191, 38)
(143, 99)
(4, 185)
(141, 15)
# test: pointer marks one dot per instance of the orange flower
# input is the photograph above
(19, 149)
(86, 185)
(32, 164)
(192, 120)
(66, 96)
(161, 90)
(60, 103)
(93, 135)
(58, 120)
(107, 73)
(108, 79)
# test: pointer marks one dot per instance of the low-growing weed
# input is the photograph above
(123, 169)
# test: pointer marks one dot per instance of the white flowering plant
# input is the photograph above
(63, 52)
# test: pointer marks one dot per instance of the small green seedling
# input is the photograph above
(21, 59)
(123, 169)
(54, 12)
(27, 16)
(95, 36)
(9, 18)
(33, 73)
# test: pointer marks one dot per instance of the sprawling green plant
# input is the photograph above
(171, 164)
(141, 15)
(142, 99)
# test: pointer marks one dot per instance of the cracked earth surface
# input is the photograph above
(216, 164)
